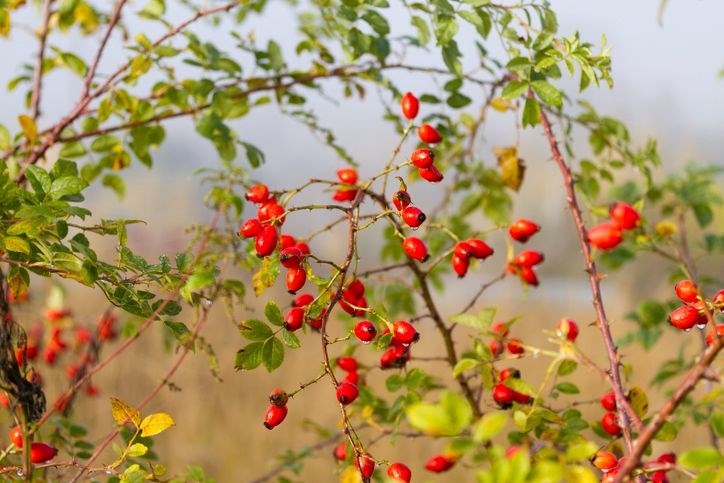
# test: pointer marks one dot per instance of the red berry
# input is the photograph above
(398, 472)
(290, 257)
(296, 278)
(352, 378)
(609, 421)
(428, 134)
(401, 199)
(340, 451)
(271, 210)
(259, 193)
(356, 288)
(500, 328)
(610, 475)
(16, 436)
(503, 395)
(440, 463)
(460, 265)
(347, 393)
(605, 460)
(624, 216)
(348, 364)
(294, 319)
(250, 228)
(684, 317)
(522, 230)
(521, 398)
(404, 332)
(365, 464)
(303, 300)
(568, 329)
(496, 347)
(347, 175)
(54, 314)
(608, 401)
(479, 249)
(710, 335)
(686, 290)
(415, 248)
(529, 258)
(286, 240)
(413, 216)
(463, 250)
(431, 174)
(266, 241)
(422, 158)
(508, 373)
(317, 323)
(50, 355)
(659, 477)
(365, 331)
(274, 416)
(410, 105)
(718, 299)
(669, 458)
(394, 356)
(304, 248)
(41, 452)
(605, 236)
(515, 346)
(278, 397)
(344, 195)
(529, 276)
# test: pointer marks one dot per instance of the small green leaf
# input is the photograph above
(531, 112)
(249, 357)
(489, 425)
(581, 451)
(514, 89)
(567, 388)
(290, 339)
(272, 354)
(547, 93)
(464, 365)
(136, 450)
(256, 330)
(66, 186)
(701, 458)
(567, 367)
(481, 321)
(273, 314)
(667, 432)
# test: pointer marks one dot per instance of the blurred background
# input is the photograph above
(667, 86)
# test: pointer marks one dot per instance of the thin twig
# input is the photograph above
(38, 72)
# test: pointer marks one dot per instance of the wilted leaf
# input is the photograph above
(512, 168)
(124, 413)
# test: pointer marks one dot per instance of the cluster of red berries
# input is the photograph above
(353, 299)
(350, 366)
(464, 250)
(39, 452)
(501, 341)
(609, 234)
(610, 465)
(277, 410)
(411, 215)
(398, 352)
(348, 177)
(693, 313)
(522, 265)
(503, 395)
(609, 421)
(423, 159)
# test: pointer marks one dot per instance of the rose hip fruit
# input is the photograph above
(415, 248)
(686, 290)
(398, 472)
(609, 421)
(296, 278)
(624, 216)
(460, 265)
(413, 216)
(259, 193)
(422, 158)
(605, 460)
(503, 395)
(480, 249)
(428, 134)
(347, 175)
(347, 393)
(401, 199)
(684, 317)
(365, 331)
(515, 346)
(274, 416)
(440, 463)
(294, 319)
(605, 236)
(568, 329)
(608, 401)
(348, 364)
(16, 437)
(529, 258)
(404, 332)
(266, 241)
(290, 257)
(410, 105)
(365, 464)
(250, 228)
(431, 174)
(522, 229)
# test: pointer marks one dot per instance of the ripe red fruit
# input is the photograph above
(348, 364)
(271, 210)
(479, 249)
(286, 240)
(609, 421)
(440, 463)
(684, 317)
(610, 476)
(428, 134)
(394, 356)
(710, 335)
(296, 278)
(460, 265)
(718, 300)
(496, 347)
(50, 355)
(290, 257)
(605, 460)
(431, 174)
(500, 328)
(54, 314)
(521, 398)
(529, 258)
(410, 105)
(365, 331)
(659, 477)
(624, 215)
(344, 195)
(608, 401)
(259, 193)
(274, 416)
(317, 323)
(356, 287)
(398, 472)
(401, 199)
(503, 395)
(16, 437)
(347, 393)
(605, 236)
(250, 228)
(413, 216)
(415, 248)
(304, 248)
(522, 229)
(352, 378)
(303, 300)
(686, 290)
(41, 452)
(294, 319)
(266, 241)
(529, 276)
(669, 458)
(404, 332)
(347, 175)
(568, 329)
(365, 464)
(422, 158)
(507, 373)
(340, 451)
(515, 346)
(278, 397)
(463, 250)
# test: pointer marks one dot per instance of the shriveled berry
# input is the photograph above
(410, 105)
(479, 249)
(404, 332)
(440, 463)
(250, 228)
(608, 401)
(609, 422)
(515, 346)
(422, 158)
(605, 460)
(274, 416)
(266, 241)
(296, 278)
(522, 229)
(348, 364)
(529, 258)
(290, 257)
(428, 134)
(460, 265)
(503, 395)
(413, 216)
(605, 236)
(624, 215)
(431, 174)
(303, 300)
(684, 317)
(568, 329)
(401, 199)
(347, 393)
(415, 248)
(347, 175)
(294, 319)
(398, 472)
(686, 290)
(259, 193)
(278, 397)
(365, 464)
(365, 331)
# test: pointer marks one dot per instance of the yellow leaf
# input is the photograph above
(500, 104)
(123, 413)
(29, 127)
(155, 423)
(4, 22)
(512, 168)
(350, 475)
(580, 474)
(666, 228)
(639, 401)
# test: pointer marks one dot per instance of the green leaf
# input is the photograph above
(66, 186)
(272, 354)
(581, 451)
(276, 59)
(74, 63)
(136, 450)
(567, 367)
(256, 330)
(377, 22)
(199, 279)
(481, 321)
(667, 432)
(514, 89)
(16, 244)
(116, 183)
(249, 357)
(153, 9)
(700, 458)
(717, 423)
(253, 154)
(547, 93)
(489, 425)
(179, 330)
(450, 417)
(531, 112)
(464, 365)
(567, 388)
(154, 424)
(290, 339)
(273, 314)
(639, 401)
(423, 31)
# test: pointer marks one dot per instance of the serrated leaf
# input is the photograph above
(481, 321)
(66, 186)
(155, 423)
(489, 425)
(249, 357)
(136, 450)
(547, 93)
(273, 314)
(256, 330)
(123, 413)
(16, 244)
(272, 354)
(290, 339)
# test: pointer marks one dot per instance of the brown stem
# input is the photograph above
(38, 72)
(88, 80)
